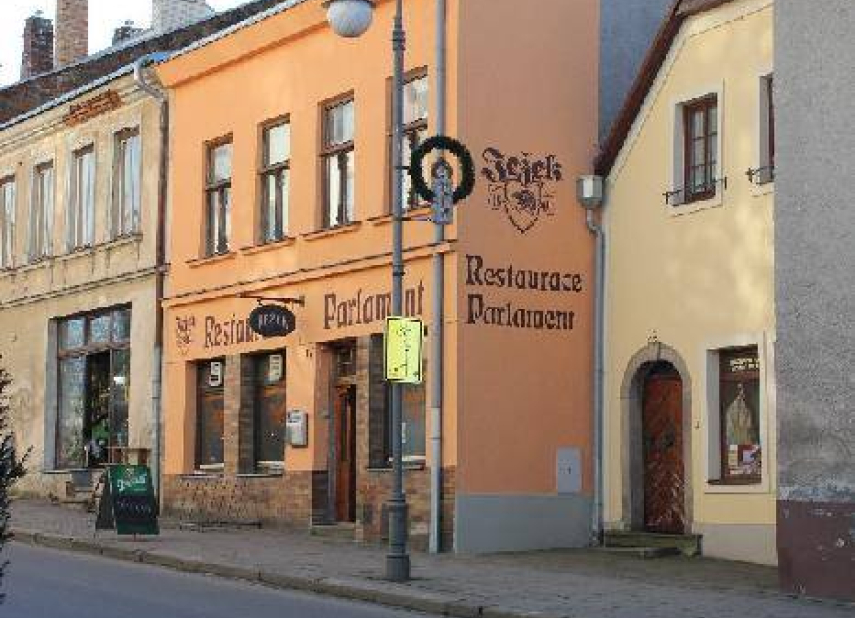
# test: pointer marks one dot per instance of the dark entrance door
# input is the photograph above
(345, 432)
(662, 427)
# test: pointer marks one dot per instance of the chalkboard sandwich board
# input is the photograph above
(128, 504)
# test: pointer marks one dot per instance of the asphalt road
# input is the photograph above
(44, 583)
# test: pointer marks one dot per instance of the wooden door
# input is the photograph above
(345, 433)
(662, 426)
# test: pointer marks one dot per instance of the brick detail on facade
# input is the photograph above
(37, 56)
(72, 31)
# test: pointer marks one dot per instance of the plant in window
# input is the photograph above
(11, 465)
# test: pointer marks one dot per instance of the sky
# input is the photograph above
(104, 17)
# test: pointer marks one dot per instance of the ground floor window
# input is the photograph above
(270, 411)
(739, 396)
(93, 387)
(210, 420)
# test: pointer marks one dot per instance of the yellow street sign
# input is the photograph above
(403, 350)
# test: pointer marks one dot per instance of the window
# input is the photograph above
(739, 396)
(415, 130)
(126, 183)
(7, 222)
(338, 163)
(218, 198)
(765, 172)
(700, 155)
(94, 385)
(80, 220)
(270, 411)
(275, 181)
(41, 212)
(210, 414)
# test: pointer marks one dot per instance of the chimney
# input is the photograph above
(171, 14)
(72, 31)
(37, 57)
(126, 32)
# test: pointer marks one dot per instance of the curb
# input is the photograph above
(376, 592)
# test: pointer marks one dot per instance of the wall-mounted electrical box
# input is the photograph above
(297, 428)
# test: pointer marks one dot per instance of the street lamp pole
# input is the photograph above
(398, 559)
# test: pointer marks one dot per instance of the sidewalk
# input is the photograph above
(566, 583)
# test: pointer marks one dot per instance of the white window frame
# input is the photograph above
(676, 154)
(711, 418)
(761, 157)
(37, 254)
(80, 216)
(117, 205)
(8, 211)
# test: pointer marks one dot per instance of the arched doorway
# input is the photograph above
(662, 450)
(656, 436)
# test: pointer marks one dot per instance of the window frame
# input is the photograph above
(80, 214)
(328, 151)
(40, 206)
(725, 478)
(218, 244)
(277, 170)
(118, 206)
(410, 130)
(8, 213)
(706, 105)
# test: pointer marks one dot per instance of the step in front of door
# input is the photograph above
(341, 531)
(687, 544)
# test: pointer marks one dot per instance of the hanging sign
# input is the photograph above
(403, 350)
(272, 321)
(128, 504)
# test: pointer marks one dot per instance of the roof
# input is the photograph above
(680, 11)
(35, 92)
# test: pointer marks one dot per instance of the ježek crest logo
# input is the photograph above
(521, 186)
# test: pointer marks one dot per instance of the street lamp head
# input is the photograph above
(350, 18)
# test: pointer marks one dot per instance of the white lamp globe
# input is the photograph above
(350, 18)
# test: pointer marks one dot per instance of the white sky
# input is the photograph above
(104, 17)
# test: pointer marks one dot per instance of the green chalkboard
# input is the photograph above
(128, 504)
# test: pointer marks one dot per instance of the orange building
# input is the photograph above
(279, 188)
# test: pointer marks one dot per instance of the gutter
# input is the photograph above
(597, 230)
(157, 377)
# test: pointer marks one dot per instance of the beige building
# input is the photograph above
(690, 320)
(79, 196)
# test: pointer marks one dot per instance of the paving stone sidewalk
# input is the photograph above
(567, 583)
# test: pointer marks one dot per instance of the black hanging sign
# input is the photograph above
(272, 321)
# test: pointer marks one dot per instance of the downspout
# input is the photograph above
(436, 372)
(160, 255)
(596, 229)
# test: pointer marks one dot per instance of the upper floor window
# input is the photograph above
(126, 184)
(7, 222)
(338, 163)
(41, 212)
(415, 130)
(275, 180)
(765, 171)
(218, 198)
(700, 155)
(80, 220)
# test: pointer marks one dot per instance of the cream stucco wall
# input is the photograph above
(698, 277)
(111, 272)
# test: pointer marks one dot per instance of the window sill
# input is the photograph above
(211, 259)
(697, 205)
(420, 212)
(413, 464)
(716, 486)
(332, 231)
(35, 265)
(262, 475)
(268, 246)
(201, 475)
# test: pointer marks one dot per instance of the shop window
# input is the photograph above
(80, 219)
(210, 420)
(740, 448)
(7, 222)
(41, 212)
(218, 198)
(93, 388)
(338, 162)
(270, 411)
(415, 130)
(275, 180)
(126, 183)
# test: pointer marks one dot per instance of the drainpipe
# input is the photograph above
(599, 373)
(160, 269)
(434, 539)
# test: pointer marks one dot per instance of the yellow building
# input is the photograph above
(690, 320)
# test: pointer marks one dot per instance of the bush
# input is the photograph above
(11, 466)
